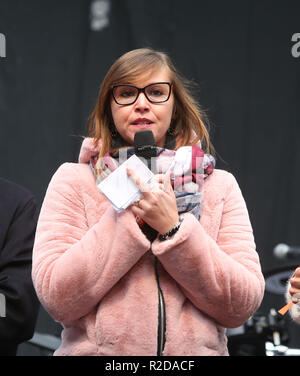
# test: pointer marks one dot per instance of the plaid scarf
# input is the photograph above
(189, 167)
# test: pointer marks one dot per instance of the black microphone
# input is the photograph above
(144, 146)
(284, 251)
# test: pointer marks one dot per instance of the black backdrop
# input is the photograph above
(239, 53)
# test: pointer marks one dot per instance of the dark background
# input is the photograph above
(237, 51)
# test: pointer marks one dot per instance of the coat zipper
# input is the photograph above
(161, 332)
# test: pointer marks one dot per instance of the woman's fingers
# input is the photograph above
(167, 182)
(161, 182)
(143, 187)
(137, 210)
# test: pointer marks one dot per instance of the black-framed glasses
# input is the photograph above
(157, 92)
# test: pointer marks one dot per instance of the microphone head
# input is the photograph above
(144, 144)
(281, 250)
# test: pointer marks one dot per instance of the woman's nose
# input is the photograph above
(142, 103)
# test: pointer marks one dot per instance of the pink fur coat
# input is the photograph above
(93, 270)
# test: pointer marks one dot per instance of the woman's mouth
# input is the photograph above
(142, 123)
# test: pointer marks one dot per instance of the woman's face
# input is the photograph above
(143, 114)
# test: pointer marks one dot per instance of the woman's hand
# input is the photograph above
(157, 207)
(295, 286)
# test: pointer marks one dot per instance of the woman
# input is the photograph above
(170, 273)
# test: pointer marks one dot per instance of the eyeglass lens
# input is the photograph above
(156, 93)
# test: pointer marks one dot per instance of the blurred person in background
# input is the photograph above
(19, 304)
(170, 273)
(292, 296)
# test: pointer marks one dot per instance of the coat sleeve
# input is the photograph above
(221, 278)
(21, 303)
(75, 265)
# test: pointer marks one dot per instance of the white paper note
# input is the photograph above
(120, 189)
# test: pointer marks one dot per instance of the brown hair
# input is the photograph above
(189, 123)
